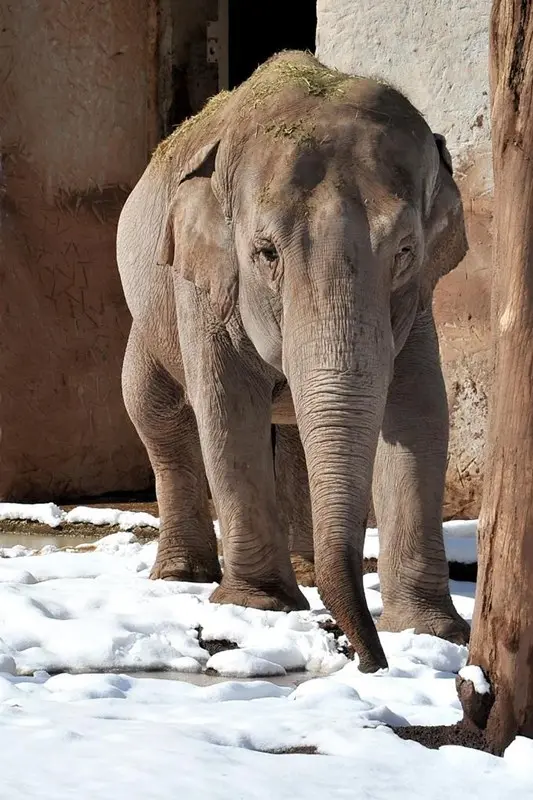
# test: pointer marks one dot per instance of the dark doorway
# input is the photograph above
(258, 30)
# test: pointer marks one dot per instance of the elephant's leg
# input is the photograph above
(231, 390)
(187, 548)
(408, 493)
(294, 502)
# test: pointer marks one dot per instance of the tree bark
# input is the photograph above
(502, 632)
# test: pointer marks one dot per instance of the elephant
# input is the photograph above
(278, 257)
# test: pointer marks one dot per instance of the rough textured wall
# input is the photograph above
(437, 53)
(78, 118)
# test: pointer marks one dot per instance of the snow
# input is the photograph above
(96, 610)
(52, 515)
(519, 755)
(126, 520)
(117, 737)
(476, 676)
(92, 730)
(45, 513)
(460, 536)
(460, 541)
(242, 664)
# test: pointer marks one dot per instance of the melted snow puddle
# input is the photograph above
(35, 541)
(292, 680)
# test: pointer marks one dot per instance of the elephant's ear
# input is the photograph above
(195, 239)
(446, 243)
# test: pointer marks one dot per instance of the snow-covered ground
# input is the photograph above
(119, 736)
(52, 515)
(459, 535)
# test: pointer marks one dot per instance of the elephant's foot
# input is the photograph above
(275, 598)
(186, 569)
(304, 570)
(440, 619)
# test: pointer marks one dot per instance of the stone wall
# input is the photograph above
(436, 52)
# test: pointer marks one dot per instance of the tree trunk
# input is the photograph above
(502, 632)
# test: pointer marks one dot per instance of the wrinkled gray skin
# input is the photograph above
(278, 257)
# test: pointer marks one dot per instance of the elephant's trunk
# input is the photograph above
(339, 383)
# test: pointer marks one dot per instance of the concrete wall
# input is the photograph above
(86, 92)
(78, 119)
(436, 52)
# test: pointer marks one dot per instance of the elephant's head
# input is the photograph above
(327, 221)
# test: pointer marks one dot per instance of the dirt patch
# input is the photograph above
(76, 531)
(435, 736)
(457, 570)
(428, 736)
(303, 749)
(214, 646)
(343, 647)
(86, 530)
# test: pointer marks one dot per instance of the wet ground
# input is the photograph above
(291, 680)
(36, 541)
(15, 531)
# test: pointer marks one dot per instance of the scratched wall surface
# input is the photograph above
(437, 53)
(77, 122)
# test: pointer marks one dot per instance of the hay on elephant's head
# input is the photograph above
(288, 69)
(198, 121)
(294, 69)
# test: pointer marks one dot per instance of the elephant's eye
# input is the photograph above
(266, 252)
(402, 264)
(404, 256)
(269, 253)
